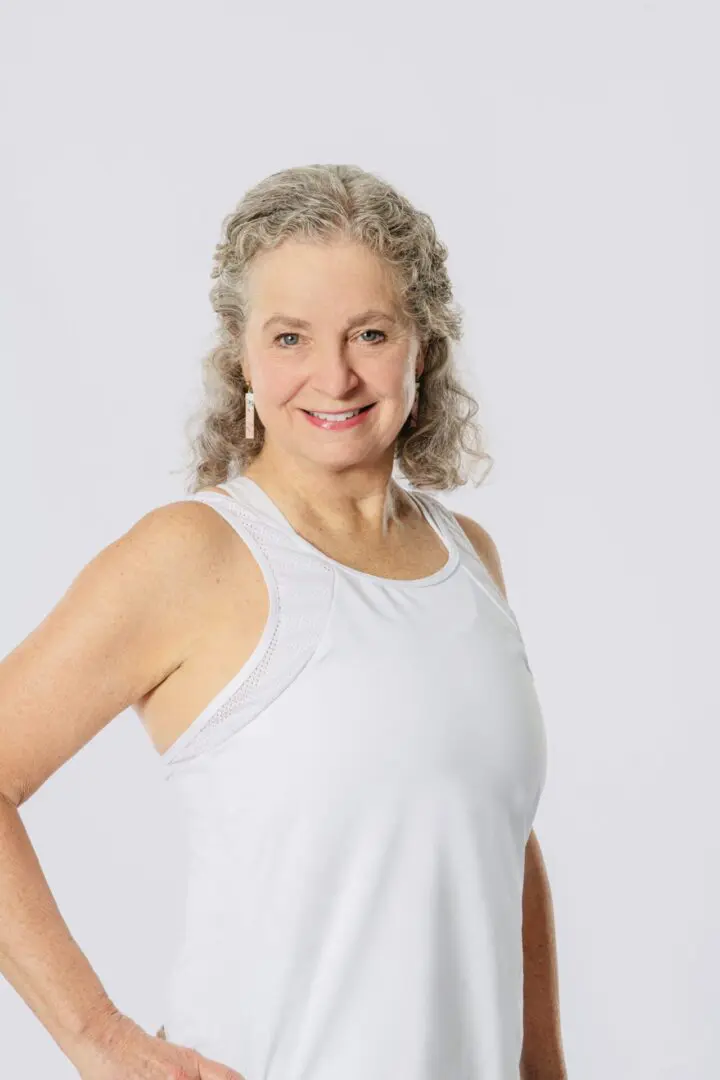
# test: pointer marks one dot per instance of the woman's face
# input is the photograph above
(323, 334)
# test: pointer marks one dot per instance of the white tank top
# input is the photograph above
(358, 799)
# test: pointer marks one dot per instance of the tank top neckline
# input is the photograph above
(264, 501)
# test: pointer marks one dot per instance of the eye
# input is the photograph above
(288, 333)
(278, 340)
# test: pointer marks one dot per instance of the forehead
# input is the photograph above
(305, 274)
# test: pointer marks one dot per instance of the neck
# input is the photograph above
(359, 500)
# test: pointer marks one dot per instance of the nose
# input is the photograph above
(333, 377)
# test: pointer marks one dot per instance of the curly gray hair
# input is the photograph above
(320, 203)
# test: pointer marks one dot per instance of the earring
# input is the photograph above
(414, 410)
(249, 414)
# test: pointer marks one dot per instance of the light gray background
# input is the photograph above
(568, 154)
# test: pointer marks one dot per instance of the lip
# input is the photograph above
(339, 412)
(328, 424)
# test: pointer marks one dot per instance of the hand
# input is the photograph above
(116, 1048)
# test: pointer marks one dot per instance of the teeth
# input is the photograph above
(335, 416)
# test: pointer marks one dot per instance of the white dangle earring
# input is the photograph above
(249, 414)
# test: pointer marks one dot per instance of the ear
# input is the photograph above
(420, 361)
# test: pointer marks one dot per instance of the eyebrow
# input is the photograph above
(290, 320)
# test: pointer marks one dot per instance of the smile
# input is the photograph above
(340, 420)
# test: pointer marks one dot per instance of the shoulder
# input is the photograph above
(184, 535)
(165, 556)
(177, 530)
(128, 619)
(173, 570)
(485, 548)
(173, 556)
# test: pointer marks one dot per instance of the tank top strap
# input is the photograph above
(300, 590)
(445, 521)
(476, 567)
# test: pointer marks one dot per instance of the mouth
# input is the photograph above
(339, 421)
(321, 413)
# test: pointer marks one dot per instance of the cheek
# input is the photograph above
(277, 387)
(389, 376)
(395, 385)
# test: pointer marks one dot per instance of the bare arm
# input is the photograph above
(115, 634)
(38, 956)
(542, 1052)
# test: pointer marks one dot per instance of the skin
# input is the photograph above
(178, 604)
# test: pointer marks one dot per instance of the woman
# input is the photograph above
(329, 667)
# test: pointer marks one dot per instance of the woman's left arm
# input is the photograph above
(542, 1052)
